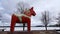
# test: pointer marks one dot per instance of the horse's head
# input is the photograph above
(32, 12)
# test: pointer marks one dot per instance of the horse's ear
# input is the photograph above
(32, 8)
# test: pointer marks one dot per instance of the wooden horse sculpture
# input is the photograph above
(25, 19)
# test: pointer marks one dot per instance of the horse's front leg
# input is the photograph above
(29, 24)
(13, 22)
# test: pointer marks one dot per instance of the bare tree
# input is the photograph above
(45, 18)
(22, 6)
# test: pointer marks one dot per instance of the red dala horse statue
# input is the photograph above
(26, 18)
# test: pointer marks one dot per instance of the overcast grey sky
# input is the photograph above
(53, 6)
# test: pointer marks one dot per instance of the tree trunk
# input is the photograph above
(46, 26)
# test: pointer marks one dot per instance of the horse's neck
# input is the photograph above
(28, 14)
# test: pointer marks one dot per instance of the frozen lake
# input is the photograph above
(32, 28)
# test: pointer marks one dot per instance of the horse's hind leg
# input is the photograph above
(13, 22)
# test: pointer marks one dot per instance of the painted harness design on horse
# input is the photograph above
(20, 15)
